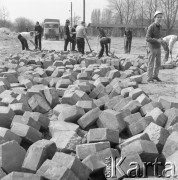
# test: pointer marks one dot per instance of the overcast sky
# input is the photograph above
(38, 10)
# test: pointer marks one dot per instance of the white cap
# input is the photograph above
(157, 12)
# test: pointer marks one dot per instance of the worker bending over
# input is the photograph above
(26, 36)
(168, 44)
(104, 41)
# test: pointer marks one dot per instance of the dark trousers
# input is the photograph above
(38, 41)
(24, 43)
(128, 43)
(75, 40)
(81, 45)
(66, 42)
(103, 44)
(166, 51)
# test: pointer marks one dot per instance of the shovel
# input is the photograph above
(89, 45)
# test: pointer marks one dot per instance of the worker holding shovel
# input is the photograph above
(24, 37)
(168, 44)
(104, 41)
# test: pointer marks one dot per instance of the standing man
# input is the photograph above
(80, 36)
(26, 36)
(73, 32)
(104, 41)
(67, 37)
(38, 35)
(168, 44)
(127, 40)
(153, 37)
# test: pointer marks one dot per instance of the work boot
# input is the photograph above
(157, 79)
(150, 80)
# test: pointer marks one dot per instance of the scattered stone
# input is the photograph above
(22, 176)
(71, 114)
(11, 156)
(37, 154)
(66, 141)
(171, 145)
(112, 120)
(57, 126)
(83, 150)
(103, 134)
(89, 118)
(158, 116)
(168, 102)
(8, 135)
(27, 133)
(38, 104)
(157, 135)
(146, 149)
(6, 116)
(140, 125)
(172, 115)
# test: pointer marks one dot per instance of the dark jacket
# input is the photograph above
(128, 35)
(39, 29)
(102, 33)
(66, 31)
(73, 35)
(152, 36)
(105, 40)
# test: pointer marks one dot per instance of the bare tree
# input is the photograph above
(117, 7)
(150, 7)
(169, 8)
(76, 19)
(125, 10)
(106, 16)
(4, 14)
(129, 9)
(96, 16)
(21, 23)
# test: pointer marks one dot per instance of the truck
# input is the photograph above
(51, 29)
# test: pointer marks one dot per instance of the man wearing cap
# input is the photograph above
(67, 37)
(168, 44)
(80, 36)
(104, 41)
(153, 37)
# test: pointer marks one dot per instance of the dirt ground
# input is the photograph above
(9, 44)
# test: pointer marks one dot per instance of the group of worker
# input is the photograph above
(77, 35)
(31, 36)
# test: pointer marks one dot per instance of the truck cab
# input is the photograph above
(51, 29)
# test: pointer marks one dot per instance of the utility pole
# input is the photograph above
(71, 12)
(74, 19)
(84, 10)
